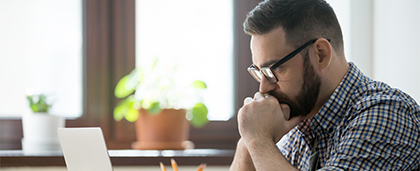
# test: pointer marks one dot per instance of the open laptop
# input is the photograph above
(84, 149)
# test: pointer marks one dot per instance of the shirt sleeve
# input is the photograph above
(382, 135)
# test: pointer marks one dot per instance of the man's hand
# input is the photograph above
(262, 122)
(263, 118)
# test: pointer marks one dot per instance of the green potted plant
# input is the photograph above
(39, 126)
(39, 103)
(161, 105)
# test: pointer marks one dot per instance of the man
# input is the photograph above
(328, 115)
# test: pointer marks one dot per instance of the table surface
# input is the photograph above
(13, 158)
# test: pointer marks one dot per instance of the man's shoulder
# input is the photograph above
(378, 102)
(377, 94)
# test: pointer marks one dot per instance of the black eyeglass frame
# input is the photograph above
(270, 70)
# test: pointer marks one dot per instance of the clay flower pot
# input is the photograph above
(168, 130)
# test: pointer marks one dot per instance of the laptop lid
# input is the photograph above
(84, 149)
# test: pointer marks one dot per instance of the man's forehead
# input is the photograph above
(268, 48)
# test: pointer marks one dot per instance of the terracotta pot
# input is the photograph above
(168, 130)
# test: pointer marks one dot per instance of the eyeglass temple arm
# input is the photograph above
(291, 55)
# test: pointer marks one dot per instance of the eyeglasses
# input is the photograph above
(268, 72)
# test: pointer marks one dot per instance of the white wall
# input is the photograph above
(362, 35)
(342, 9)
(396, 48)
(385, 41)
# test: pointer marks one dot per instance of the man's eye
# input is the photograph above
(278, 69)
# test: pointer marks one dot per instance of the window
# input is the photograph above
(198, 37)
(109, 54)
(41, 49)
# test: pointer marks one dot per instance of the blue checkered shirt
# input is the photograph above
(364, 125)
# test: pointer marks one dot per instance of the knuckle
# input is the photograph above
(256, 94)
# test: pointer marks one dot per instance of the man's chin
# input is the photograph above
(293, 108)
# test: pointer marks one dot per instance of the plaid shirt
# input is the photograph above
(364, 125)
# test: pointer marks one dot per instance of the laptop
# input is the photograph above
(84, 149)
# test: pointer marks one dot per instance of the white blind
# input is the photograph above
(197, 35)
(41, 49)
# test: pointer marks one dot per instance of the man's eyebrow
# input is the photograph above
(269, 63)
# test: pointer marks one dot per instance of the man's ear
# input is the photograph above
(323, 51)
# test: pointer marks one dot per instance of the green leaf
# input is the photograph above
(199, 112)
(121, 90)
(124, 108)
(42, 104)
(154, 108)
(128, 83)
(199, 84)
(132, 114)
(155, 63)
(38, 103)
(34, 107)
(120, 110)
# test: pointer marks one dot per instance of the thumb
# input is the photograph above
(286, 111)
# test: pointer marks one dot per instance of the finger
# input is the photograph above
(258, 95)
(286, 111)
(248, 100)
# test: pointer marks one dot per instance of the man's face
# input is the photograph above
(298, 84)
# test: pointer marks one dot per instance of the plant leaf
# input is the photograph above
(132, 114)
(199, 84)
(120, 110)
(34, 108)
(155, 63)
(199, 118)
(121, 90)
(38, 103)
(124, 108)
(154, 108)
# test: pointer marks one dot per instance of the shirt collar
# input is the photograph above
(336, 106)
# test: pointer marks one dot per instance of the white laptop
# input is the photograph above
(84, 149)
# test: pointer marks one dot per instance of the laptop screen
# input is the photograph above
(84, 149)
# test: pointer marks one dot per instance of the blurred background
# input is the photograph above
(77, 50)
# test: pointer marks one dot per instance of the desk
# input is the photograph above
(15, 158)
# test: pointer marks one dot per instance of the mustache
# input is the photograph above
(281, 97)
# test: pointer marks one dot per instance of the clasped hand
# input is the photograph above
(264, 118)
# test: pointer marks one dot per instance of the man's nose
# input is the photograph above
(266, 86)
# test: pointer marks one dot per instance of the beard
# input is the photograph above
(305, 101)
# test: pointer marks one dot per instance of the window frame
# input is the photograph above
(109, 54)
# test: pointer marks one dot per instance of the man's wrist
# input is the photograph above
(257, 142)
(242, 159)
(245, 153)
(267, 147)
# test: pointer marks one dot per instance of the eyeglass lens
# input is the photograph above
(256, 74)
(269, 74)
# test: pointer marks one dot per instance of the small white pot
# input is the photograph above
(40, 133)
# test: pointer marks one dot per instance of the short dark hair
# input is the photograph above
(302, 20)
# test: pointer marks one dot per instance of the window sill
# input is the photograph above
(16, 158)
